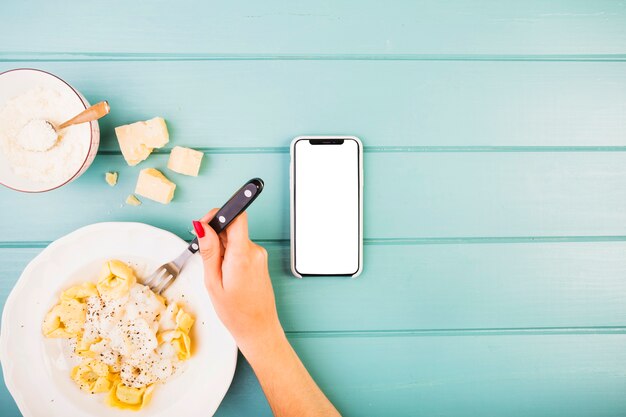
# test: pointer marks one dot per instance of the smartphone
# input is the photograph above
(326, 206)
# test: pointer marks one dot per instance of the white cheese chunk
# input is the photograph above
(138, 140)
(185, 161)
(132, 200)
(111, 178)
(152, 184)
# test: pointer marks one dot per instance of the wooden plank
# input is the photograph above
(440, 287)
(573, 375)
(419, 195)
(461, 287)
(316, 28)
(7, 404)
(390, 104)
(450, 374)
(245, 396)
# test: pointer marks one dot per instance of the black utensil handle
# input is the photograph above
(236, 205)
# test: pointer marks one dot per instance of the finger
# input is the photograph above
(210, 250)
(223, 243)
(261, 252)
(207, 217)
(237, 233)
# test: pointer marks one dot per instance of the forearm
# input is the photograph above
(289, 388)
(237, 278)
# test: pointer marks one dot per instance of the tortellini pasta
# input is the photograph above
(80, 293)
(92, 376)
(128, 339)
(65, 320)
(183, 321)
(174, 318)
(176, 331)
(180, 342)
(115, 280)
(83, 347)
(129, 398)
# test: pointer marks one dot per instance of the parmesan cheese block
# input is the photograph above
(185, 161)
(152, 184)
(132, 200)
(138, 140)
(111, 178)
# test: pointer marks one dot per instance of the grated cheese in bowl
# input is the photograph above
(33, 156)
(23, 152)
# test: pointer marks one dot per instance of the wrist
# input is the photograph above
(265, 343)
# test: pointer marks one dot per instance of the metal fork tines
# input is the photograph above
(165, 275)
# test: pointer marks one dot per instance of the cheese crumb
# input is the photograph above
(132, 200)
(111, 178)
(185, 161)
(138, 140)
(154, 185)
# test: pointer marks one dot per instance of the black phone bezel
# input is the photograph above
(326, 141)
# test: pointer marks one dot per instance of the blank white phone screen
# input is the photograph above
(326, 208)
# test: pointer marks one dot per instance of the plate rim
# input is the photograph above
(19, 284)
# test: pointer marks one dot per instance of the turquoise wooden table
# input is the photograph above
(495, 181)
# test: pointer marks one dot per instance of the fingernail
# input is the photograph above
(198, 228)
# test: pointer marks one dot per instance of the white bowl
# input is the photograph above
(18, 81)
(37, 370)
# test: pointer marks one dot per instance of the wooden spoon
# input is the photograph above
(40, 135)
(90, 114)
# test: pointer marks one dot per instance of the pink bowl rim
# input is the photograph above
(73, 177)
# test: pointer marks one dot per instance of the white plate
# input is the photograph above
(36, 369)
(18, 81)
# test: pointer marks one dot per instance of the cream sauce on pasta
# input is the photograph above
(128, 328)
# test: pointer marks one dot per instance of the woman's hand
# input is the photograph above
(237, 278)
(238, 281)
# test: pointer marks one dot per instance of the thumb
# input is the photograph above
(210, 247)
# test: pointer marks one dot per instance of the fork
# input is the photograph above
(165, 275)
